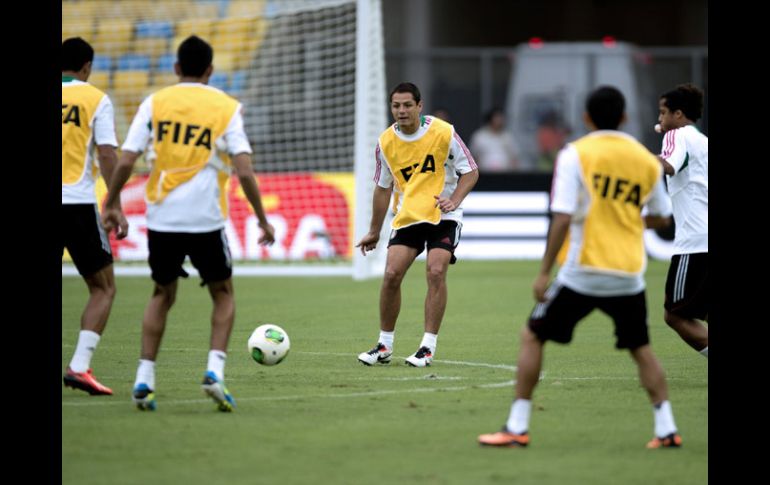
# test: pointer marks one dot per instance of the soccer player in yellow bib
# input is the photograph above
(424, 162)
(87, 125)
(601, 184)
(186, 209)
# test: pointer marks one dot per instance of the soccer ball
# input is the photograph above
(269, 344)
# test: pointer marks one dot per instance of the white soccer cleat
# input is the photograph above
(380, 354)
(422, 358)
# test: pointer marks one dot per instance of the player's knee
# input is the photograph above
(110, 291)
(436, 274)
(165, 294)
(671, 320)
(527, 335)
(392, 278)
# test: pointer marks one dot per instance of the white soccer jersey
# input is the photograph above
(571, 197)
(194, 205)
(687, 150)
(103, 133)
(460, 161)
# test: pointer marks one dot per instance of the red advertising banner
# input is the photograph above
(311, 213)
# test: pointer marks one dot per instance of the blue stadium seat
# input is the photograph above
(133, 62)
(166, 63)
(154, 28)
(102, 63)
(219, 80)
(238, 82)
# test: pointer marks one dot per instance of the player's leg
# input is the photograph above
(554, 319)
(629, 314)
(101, 295)
(89, 247)
(399, 259)
(401, 254)
(687, 300)
(210, 254)
(167, 253)
(155, 316)
(441, 240)
(653, 379)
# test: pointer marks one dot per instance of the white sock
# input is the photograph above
(705, 352)
(429, 340)
(217, 363)
(518, 420)
(387, 338)
(664, 419)
(87, 342)
(145, 373)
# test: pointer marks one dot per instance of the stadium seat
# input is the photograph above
(154, 28)
(112, 36)
(153, 47)
(129, 89)
(203, 28)
(166, 63)
(133, 62)
(223, 60)
(238, 82)
(201, 10)
(229, 26)
(83, 28)
(163, 79)
(101, 63)
(100, 79)
(219, 80)
(246, 8)
(78, 11)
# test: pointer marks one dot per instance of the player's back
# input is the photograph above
(619, 174)
(80, 104)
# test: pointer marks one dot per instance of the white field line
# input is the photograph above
(384, 392)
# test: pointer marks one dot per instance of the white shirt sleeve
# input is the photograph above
(659, 203)
(382, 175)
(104, 123)
(235, 135)
(566, 181)
(459, 155)
(674, 148)
(140, 131)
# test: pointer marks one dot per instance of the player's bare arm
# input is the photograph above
(380, 201)
(464, 185)
(557, 233)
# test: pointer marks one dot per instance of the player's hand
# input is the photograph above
(368, 242)
(539, 287)
(268, 234)
(115, 219)
(445, 204)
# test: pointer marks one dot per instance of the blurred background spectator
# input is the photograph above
(552, 134)
(493, 146)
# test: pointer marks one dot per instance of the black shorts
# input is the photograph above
(208, 251)
(445, 234)
(556, 318)
(687, 286)
(84, 238)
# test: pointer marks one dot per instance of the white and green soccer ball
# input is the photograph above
(269, 344)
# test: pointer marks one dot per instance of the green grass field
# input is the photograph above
(321, 417)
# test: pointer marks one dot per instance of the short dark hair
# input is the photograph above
(491, 114)
(194, 56)
(75, 53)
(605, 106)
(406, 88)
(686, 97)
